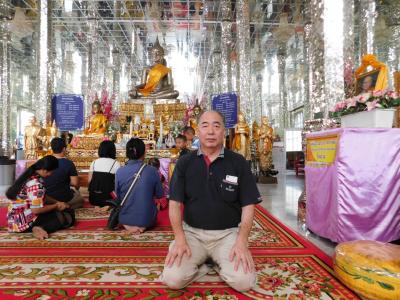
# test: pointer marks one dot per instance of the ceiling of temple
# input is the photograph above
(191, 28)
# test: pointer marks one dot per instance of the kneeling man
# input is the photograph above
(218, 192)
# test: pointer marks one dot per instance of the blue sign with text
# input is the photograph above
(67, 111)
(226, 104)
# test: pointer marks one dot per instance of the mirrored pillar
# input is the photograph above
(243, 50)
(45, 63)
(5, 61)
(226, 43)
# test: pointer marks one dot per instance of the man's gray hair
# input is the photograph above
(215, 111)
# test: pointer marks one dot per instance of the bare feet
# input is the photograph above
(134, 229)
(105, 208)
(39, 233)
(101, 209)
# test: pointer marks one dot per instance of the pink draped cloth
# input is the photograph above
(358, 196)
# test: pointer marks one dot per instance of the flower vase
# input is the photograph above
(376, 118)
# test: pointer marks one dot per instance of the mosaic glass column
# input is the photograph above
(226, 44)
(306, 73)
(45, 63)
(84, 74)
(394, 37)
(330, 49)
(5, 61)
(367, 24)
(243, 49)
(93, 56)
(283, 106)
(116, 76)
(216, 62)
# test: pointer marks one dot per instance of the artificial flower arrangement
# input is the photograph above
(366, 102)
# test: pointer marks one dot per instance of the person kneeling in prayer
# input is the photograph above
(139, 211)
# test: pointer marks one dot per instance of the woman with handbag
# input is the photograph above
(102, 176)
(28, 211)
(138, 211)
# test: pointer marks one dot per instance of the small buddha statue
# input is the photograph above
(98, 121)
(32, 139)
(194, 119)
(241, 140)
(265, 145)
(157, 80)
(143, 132)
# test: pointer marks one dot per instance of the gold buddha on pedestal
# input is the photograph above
(157, 80)
(265, 145)
(98, 121)
(241, 140)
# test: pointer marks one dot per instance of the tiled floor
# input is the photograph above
(281, 200)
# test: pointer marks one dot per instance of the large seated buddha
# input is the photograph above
(157, 80)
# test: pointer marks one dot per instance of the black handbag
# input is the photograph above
(113, 219)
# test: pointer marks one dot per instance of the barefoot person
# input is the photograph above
(218, 192)
(139, 211)
(27, 211)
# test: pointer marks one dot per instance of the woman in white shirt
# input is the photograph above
(102, 175)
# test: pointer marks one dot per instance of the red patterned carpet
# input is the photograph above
(89, 262)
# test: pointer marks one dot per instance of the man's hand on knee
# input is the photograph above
(176, 253)
(241, 254)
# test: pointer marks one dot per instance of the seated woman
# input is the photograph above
(102, 175)
(139, 211)
(27, 211)
(161, 203)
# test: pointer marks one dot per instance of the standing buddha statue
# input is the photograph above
(32, 139)
(256, 136)
(157, 80)
(98, 121)
(265, 145)
(241, 140)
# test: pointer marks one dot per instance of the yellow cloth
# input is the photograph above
(155, 75)
(98, 124)
(371, 60)
(369, 268)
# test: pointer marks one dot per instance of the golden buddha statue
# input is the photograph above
(194, 119)
(32, 139)
(157, 80)
(256, 135)
(241, 140)
(51, 132)
(143, 132)
(265, 145)
(98, 121)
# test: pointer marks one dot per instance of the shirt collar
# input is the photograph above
(221, 153)
(134, 161)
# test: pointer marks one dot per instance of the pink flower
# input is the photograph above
(362, 98)
(392, 94)
(379, 93)
(352, 102)
(372, 105)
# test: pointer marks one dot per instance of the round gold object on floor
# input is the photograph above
(369, 268)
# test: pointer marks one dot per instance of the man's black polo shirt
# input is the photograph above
(213, 195)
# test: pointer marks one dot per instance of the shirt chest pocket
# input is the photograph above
(229, 191)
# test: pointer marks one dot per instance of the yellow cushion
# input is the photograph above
(369, 268)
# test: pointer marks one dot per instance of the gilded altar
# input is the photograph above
(82, 158)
